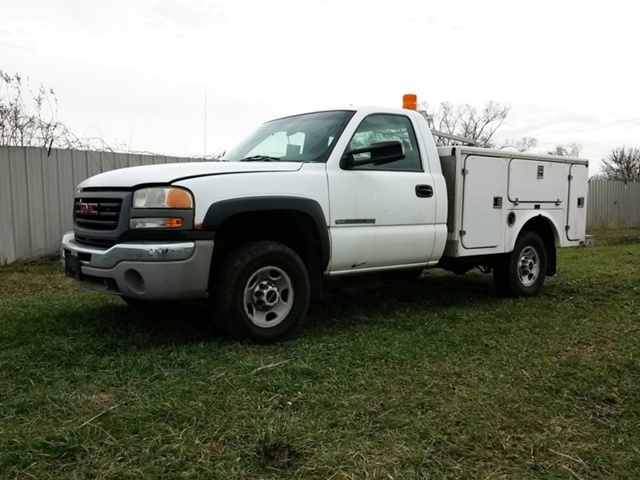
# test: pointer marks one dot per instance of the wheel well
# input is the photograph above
(294, 229)
(547, 232)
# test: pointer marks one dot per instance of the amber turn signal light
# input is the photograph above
(177, 198)
(173, 222)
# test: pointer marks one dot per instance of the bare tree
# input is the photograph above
(522, 145)
(623, 164)
(570, 150)
(31, 120)
(478, 125)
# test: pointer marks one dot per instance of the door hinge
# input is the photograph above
(463, 233)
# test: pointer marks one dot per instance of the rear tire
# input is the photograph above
(521, 273)
(261, 292)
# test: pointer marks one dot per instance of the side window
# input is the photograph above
(382, 127)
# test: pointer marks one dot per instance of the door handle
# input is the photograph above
(424, 191)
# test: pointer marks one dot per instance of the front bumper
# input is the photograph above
(143, 270)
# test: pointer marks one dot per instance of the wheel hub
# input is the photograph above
(268, 296)
(265, 295)
(529, 267)
(526, 267)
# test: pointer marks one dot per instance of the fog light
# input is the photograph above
(134, 281)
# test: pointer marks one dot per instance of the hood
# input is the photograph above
(170, 172)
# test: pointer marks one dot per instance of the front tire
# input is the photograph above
(522, 272)
(261, 292)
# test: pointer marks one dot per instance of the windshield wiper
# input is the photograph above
(260, 158)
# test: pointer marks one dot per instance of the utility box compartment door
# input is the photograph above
(577, 208)
(533, 181)
(483, 202)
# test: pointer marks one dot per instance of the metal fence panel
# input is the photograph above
(613, 204)
(20, 202)
(37, 192)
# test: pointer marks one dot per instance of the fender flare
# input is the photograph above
(221, 211)
(552, 242)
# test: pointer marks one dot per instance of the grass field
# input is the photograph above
(439, 378)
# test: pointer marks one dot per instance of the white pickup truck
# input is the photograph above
(316, 197)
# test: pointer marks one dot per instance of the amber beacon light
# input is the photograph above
(410, 101)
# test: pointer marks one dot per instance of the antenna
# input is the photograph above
(205, 124)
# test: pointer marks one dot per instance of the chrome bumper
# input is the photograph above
(143, 270)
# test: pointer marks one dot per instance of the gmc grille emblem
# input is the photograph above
(88, 208)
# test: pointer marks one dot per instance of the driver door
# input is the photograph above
(382, 215)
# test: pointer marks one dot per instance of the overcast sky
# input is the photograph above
(137, 72)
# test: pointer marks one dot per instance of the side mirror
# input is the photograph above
(378, 153)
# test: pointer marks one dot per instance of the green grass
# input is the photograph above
(438, 378)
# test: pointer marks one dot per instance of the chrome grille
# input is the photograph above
(98, 213)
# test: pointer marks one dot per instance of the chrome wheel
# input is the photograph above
(521, 273)
(528, 266)
(268, 297)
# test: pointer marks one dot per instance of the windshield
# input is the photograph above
(302, 138)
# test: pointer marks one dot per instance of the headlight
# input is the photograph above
(162, 197)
